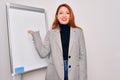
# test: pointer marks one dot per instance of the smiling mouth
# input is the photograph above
(64, 19)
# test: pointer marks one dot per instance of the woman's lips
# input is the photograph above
(64, 19)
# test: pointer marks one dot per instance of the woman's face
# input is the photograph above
(63, 15)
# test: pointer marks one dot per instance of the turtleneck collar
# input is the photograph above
(64, 26)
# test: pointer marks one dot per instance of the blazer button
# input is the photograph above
(69, 66)
(69, 56)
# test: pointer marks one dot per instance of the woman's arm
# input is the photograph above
(42, 48)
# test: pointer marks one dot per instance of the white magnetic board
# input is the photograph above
(23, 55)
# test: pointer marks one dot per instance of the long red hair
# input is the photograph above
(71, 20)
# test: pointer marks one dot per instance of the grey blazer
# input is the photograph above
(52, 47)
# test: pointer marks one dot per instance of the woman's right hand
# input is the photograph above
(30, 31)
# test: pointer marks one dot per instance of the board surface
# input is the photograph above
(23, 55)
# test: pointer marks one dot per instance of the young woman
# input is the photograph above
(65, 45)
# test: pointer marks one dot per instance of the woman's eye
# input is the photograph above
(60, 13)
(68, 13)
(63, 13)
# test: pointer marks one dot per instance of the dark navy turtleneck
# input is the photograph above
(65, 38)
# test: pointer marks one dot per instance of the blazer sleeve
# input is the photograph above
(82, 58)
(42, 48)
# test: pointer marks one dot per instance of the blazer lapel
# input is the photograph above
(58, 40)
(72, 35)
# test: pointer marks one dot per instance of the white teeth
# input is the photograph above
(64, 19)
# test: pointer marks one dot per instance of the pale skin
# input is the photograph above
(63, 17)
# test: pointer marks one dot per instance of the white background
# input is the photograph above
(100, 22)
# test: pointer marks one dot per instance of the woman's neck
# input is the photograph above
(64, 26)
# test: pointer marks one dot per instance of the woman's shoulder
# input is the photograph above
(52, 31)
(78, 29)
